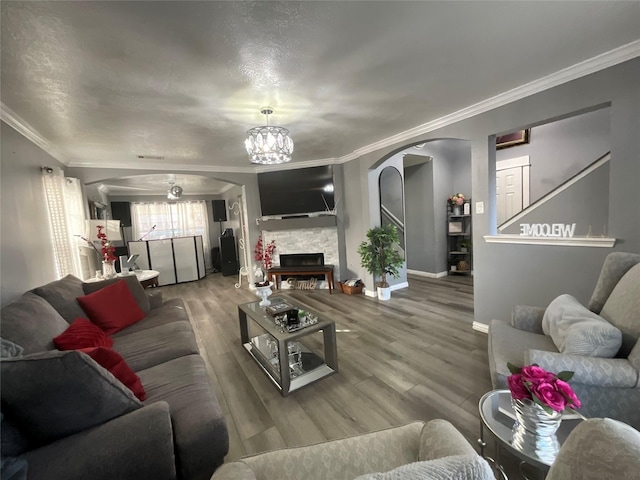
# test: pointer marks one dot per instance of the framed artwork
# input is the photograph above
(455, 227)
(520, 137)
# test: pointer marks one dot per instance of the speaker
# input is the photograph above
(121, 211)
(219, 210)
(228, 256)
(215, 257)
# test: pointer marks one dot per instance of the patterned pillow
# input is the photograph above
(454, 467)
(576, 330)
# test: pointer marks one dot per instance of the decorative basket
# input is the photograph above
(355, 290)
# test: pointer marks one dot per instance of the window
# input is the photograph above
(154, 221)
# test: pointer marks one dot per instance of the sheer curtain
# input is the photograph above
(65, 209)
(175, 219)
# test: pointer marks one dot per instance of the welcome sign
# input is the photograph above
(547, 229)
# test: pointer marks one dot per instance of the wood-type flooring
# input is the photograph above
(414, 357)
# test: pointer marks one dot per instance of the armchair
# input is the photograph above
(596, 449)
(607, 387)
(434, 449)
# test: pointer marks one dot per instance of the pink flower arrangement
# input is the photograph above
(457, 199)
(550, 391)
(264, 253)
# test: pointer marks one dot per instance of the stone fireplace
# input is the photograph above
(307, 241)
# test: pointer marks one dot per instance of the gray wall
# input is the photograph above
(560, 149)
(26, 260)
(449, 172)
(420, 238)
(506, 275)
(585, 203)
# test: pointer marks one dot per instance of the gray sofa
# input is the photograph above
(434, 450)
(69, 418)
(607, 387)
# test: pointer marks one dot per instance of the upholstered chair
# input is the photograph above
(607, 387)
(598, 449)
(434, 450)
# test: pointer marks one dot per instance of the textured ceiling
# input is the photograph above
(103, 82)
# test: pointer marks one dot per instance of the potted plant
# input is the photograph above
(381, 257)
(465, 246)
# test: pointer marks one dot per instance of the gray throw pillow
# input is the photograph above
(454, 467)
(62, 294)
(136, 289)
(576, 330)
(8, 349)
(31, 322)
(622, 309)
(56, 394)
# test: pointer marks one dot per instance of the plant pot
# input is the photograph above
(384, 293)
(457, 210)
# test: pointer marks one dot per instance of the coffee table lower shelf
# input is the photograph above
(296, 383)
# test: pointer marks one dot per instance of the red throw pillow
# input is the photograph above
(82, 334)
(112, 308)
(113, 361)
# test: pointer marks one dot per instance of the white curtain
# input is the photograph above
(66, 218)
(175, 219)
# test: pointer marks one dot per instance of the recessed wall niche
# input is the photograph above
(561, 174)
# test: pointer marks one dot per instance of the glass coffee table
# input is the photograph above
(496, 415)
(290, 359)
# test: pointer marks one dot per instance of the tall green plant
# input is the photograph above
(380, 255)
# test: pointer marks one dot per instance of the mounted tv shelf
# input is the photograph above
(322, 221)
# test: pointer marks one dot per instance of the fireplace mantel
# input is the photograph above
(322, 221)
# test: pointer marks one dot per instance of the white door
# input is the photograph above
(508, 193)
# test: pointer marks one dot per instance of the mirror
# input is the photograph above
(392, 201)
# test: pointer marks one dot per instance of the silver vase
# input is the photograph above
(535, 430)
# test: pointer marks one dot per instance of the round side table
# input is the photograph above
(497, 416)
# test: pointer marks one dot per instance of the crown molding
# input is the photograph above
(295, 165)
(587, 67)
(162, 167)
(12, 119)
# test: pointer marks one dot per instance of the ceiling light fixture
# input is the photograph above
(174, 192)
(268, 145)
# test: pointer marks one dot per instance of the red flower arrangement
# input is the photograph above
(108, 250)
(264, 253)
(550, 391)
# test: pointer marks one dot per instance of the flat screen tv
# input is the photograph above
(296, 192)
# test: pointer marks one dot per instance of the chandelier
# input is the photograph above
(174, 192)
(269, 145)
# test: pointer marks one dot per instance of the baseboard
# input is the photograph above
(374, 293)
(420, 273)
(399, 286)
(480, 327)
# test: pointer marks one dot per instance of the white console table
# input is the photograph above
(147, 278)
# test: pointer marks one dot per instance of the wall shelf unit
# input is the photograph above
(459, 248)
